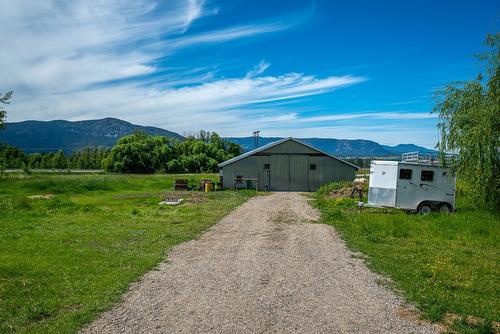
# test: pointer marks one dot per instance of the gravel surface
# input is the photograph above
(262, 269)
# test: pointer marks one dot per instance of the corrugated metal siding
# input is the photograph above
(250, 167)
(299, 173)
(328, 170)
(290, 147)
(289, 168)
(280, 172)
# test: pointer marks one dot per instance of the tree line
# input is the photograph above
(135, 153)
(141, 153)
(87, 158)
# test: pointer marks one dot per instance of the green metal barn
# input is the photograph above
(284, 165)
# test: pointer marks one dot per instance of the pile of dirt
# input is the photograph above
(347, 191)
(342, 192)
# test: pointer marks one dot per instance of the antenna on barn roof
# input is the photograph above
(256, 139)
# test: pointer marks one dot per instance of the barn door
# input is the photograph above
(265, 175)
(279, 170)
(299, 173)
(266, 180)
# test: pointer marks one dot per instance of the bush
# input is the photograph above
(140, 153)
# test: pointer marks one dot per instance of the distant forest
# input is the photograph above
(136, 153)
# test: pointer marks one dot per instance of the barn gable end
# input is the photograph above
(285, 165)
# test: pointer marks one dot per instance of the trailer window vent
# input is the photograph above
(312, 166)
(405, 174)
(267, 166)
(427, 175)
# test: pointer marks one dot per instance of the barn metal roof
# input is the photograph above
(275, 143)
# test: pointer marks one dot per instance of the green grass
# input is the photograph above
(441, 263)
(66, 259)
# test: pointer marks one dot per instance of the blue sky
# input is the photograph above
(351, 69)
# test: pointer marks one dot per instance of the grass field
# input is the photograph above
(65, 259)
(447, 265)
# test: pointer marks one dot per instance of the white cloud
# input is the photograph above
(371, 115)
(81, 60)
(56, 46)
(258, 69)
(137, 70)
(216, 104)
(383, 134)
(223, 35)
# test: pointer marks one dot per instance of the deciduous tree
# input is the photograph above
(4, 99)
(469, 123)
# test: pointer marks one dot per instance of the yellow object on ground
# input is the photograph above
(209, 186)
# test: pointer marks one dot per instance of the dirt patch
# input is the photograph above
(262, 269)
(44, 196)
(342, 192)
(141, 195)
(413, 315)
(349, 191)
(451, 318)
(474, 321)
(495, 325)
(195, 197)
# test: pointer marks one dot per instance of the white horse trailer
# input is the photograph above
(411, 184)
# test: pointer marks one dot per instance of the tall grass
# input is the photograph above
(441, 263)
(65, 259)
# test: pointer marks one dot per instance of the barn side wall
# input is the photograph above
(249, 167)
(290, 170)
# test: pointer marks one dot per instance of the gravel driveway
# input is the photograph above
(262, 269)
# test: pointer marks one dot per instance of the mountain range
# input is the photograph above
(49, 136)
(340, 147)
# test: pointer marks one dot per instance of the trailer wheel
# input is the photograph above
(424, 208)
(445, 208)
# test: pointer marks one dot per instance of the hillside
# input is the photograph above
(40, 136)
(404, 148)
(340, 147)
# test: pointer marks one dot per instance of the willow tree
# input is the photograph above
(4, 99)
(469, 124)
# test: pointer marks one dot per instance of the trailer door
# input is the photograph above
(408, 187)
(382, 184)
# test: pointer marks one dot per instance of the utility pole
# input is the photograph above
(256, 139)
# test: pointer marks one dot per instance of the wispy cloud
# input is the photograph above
(401, 103)
(384, 134)
(190, 107)
(258, 69)
(224, 35)
(56, 46)
(80, 60)
(372, 115)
